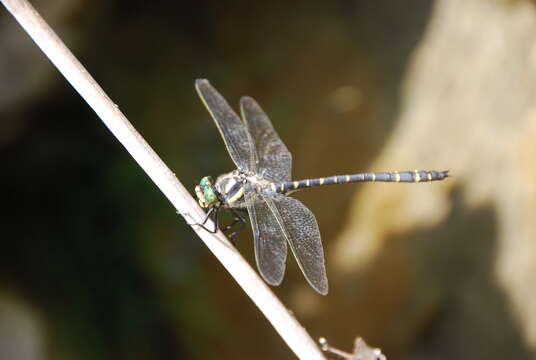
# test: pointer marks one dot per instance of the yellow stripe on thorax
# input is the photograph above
(236, 196)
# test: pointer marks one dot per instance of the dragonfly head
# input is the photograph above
(206, 193)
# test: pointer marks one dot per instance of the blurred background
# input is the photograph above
(95, 264)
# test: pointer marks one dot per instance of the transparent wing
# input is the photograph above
(269, 239)
(233, 131)
(274, 161)
(301, 230)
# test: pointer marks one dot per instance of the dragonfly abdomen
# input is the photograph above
(394, 176)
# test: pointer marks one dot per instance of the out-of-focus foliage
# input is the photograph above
(95, 263)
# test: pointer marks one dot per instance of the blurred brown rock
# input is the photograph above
(449, 267)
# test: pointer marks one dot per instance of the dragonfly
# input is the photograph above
(260, 185)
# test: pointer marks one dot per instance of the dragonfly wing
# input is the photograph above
(301, 230)
(269, 239)
(233, 131)
(274, 159)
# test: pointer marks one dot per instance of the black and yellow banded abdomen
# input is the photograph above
(395, 176)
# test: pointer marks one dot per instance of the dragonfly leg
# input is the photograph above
(211, 214)
(238, 219)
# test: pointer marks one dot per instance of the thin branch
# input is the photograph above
(285, 324)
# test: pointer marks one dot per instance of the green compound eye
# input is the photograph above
(209, 194)
(206, 181)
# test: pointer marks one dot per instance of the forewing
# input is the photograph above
(233, 131)
(269, 239)
(303, 236)
(274, 161)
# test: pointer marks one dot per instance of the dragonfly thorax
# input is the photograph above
(230, 187)
(228, 190)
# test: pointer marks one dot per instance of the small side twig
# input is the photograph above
(284, 323)
(361, 350)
